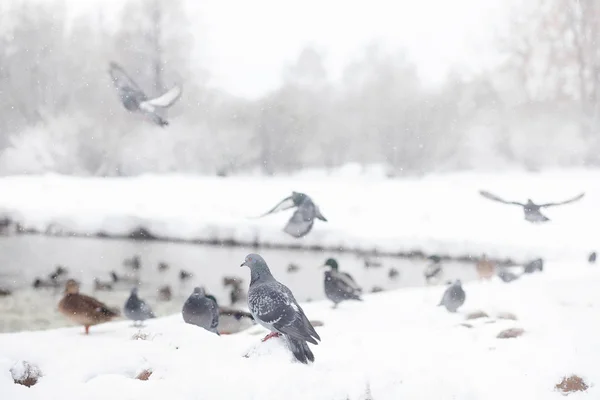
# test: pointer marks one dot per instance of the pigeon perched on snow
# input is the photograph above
(201, 310)
(339, 286)
(135, 100)
(136, 309)
(454, 297)
(532, 210)
(592, 257)
(303, 218)
(273, 306)
(506, 275)
(533, 266)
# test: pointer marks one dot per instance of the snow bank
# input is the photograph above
(436, 214)
(397, 343)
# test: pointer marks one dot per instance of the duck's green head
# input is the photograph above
(332, 263)
(210, 296)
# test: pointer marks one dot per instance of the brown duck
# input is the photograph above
(82, 309)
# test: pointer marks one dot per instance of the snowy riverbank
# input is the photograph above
(436, 214)
(398, 343)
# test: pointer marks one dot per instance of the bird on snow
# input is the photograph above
(273, 306)
(137, 309)
(433, 270)
(533, 266)
(201, 310)
(135, 100)
(453, 297)
(339, 286)
(82, 309)
(303, 218)
(506, 275)
(532, 210)
(592, 257)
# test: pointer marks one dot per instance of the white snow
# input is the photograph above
(438, 213)
(397, 343)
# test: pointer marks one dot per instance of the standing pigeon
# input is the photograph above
(339, 286)
(532, 210)
(454, 297)
(506, 275)
(592, 257)
(303, 218)
(201, 310)
(273, 306)
(533, 266)
(135, 100)
(136, 309)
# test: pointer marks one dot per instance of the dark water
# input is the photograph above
(23, 258)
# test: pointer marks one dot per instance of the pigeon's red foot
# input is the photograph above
(271, 335)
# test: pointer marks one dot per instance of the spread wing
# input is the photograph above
(166, 100)
(284, 204)
(490, 196)
(574, 199)
(302, 221)
(121, 80)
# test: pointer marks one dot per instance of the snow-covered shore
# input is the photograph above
(398, 343)
(441, 214)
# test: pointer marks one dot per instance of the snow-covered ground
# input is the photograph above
(399, 344)
(439, 213)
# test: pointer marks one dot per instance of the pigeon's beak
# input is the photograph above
(243, 264)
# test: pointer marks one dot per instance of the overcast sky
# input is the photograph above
(245, 44)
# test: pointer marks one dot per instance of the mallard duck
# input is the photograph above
(126, 280)
(237, 294)
(531, 209)
(485, 267)
(293, 268)
(59, 272)
(339, 286)
(99, 285)
(393, 273)
(39, 283)
(134, 263)
(163, 266)
(165, 293)
(233, 321)
(185, 275)
(82, 309)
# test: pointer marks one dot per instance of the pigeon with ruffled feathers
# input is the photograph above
(201, 310)
(454, 297)
(273, 306)
(137, 309)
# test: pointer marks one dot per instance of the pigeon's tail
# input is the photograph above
(300, 350)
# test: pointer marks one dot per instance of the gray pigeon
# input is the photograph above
(531, 210)
(339, 286)
(303, 218)
(136, 309)
(533, 266)
(273, 306)
(506, 275)
(454, 297)
(201, 310)
(135, 100)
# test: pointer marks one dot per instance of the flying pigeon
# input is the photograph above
(339, 286)
(136, 309)
(454, 297)
(532, 210)
(303, 218)
(201, 310)
(135, 100)
(273, 306)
